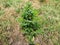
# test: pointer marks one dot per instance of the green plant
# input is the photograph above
(30, 23)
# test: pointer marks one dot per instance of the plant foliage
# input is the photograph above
(30, 24)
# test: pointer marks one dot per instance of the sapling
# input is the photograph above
(29, 24)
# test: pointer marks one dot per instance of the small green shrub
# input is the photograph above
(30, 23)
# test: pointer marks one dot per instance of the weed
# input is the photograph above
(30, 23)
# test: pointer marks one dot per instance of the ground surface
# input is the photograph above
(10, 31)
